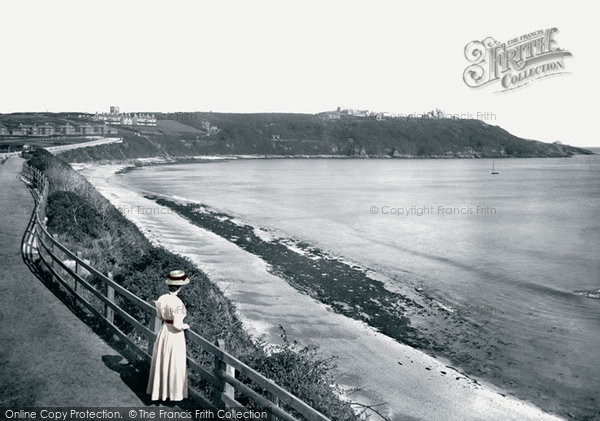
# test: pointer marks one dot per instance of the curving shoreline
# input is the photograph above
(413, 383)
(347, 289)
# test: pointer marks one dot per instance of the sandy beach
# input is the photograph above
(412, 384)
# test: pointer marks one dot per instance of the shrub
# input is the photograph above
(68, 213)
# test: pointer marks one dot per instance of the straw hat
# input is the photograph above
(177, 277)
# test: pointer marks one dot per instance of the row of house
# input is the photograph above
(47, 129)
(341, 111)
(126, 119)
(115, 116)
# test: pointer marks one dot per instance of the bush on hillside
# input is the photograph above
(69, 214)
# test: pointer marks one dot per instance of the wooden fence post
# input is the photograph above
(79, 256)
(222, 367)
(109, 313)
(28, 245)
(155, 325)
(51, 241)
(275, 401)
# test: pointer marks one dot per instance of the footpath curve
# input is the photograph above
(49, 357)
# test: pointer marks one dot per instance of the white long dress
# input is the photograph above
(168, 371)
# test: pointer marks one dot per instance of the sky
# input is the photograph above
(294, 56)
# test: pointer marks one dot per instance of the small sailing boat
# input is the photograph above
(494, 168)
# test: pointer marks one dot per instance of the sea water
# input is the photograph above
(507, 258)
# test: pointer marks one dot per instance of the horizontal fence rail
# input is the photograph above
(102, 296)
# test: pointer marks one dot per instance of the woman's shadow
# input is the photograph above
(136, 378)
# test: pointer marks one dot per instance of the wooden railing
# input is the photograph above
(228, 378)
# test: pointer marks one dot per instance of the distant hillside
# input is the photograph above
(595, 150)
(306, 134)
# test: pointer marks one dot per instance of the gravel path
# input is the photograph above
(49, 357)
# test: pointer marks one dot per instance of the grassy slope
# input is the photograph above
(85, 221)
(307, 134)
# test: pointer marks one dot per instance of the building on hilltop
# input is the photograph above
(46, 130)
(437, 113)
(66, 129)
(355, 112)
(29, 129)
(210, 129)
(358, 113)
(85, 129)
(103, 129)
(108, 118)
(381, 116)
(116, 117)
(126, 119)
(144, 120)
(331, 115)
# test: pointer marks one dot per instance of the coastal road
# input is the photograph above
(49, 357)
(55, 150)
(5, 155)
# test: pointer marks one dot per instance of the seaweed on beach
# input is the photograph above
(347, 289)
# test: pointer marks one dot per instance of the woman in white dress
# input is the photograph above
(168, 371)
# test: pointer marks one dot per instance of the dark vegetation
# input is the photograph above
(85, 221)
(306, 134)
